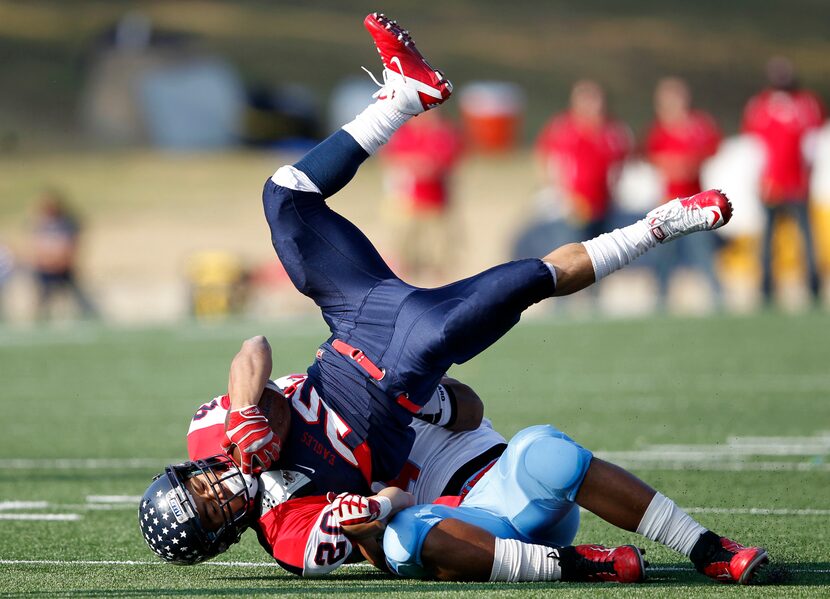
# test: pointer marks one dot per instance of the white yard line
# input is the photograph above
(43, 562)
(733, 454)
(85, 463)
(42, 517)
(129, 502)
(23, 505)
(758, 511)
(109, 499)
(712, 466)
(691, 569)
(52, 562)
(755, 511)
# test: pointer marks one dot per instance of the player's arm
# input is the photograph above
(250, 371)
(469, 409)
(454, 406)
(368, 536)
(247, 429)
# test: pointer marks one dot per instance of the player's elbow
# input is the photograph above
(469, 409)
(254, 351)
(469, 416)
(257, 345)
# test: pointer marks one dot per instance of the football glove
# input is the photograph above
(349, 509)
(249, 430)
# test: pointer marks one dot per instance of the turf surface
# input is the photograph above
(89, 414)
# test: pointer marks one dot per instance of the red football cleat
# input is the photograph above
(734, 563)
(595, 563)
(408, 78)
(705, 211)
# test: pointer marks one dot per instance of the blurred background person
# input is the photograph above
(55, 237)
(580, 151)
(419, 163)
(677, 143)
(783, 115)
(6, 269)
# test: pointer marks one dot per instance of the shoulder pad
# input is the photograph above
(278, 486)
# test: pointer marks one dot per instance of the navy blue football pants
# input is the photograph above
(414, 334)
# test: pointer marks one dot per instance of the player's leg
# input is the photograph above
(326, 257)
(702, 257)
(468, 316)
(437, 541)
(543, 473)
(622, 499)
(407, 532)
(664, 269)
(801, 212)
(534, 485)
(581, 264)
(766, 252)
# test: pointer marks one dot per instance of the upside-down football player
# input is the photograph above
(389, 348)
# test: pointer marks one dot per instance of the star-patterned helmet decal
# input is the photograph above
(169, 521)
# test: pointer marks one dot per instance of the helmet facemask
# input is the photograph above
(171, 523)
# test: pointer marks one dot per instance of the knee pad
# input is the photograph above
(555, 461)
(404, 539)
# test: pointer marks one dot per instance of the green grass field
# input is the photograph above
(90, 414)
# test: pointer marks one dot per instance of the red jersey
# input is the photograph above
(295, 528)
(687, 143)
(294, 522)
(424, 154)
(584, 159)
(301, 534)
(781, 119)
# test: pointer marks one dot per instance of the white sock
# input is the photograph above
(374, 126)
(611, 251)
(515, 561)
(666, 523)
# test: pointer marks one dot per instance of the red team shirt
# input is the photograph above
(693, 140)
(296, 528)
(585, 158)
(436, 143)
(781, 119)
(310, 543)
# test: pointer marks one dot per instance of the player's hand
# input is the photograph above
(249, 430)
(350, 509)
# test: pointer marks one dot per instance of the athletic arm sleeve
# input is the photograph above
(441, 409)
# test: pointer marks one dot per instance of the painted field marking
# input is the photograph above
(110, 499)
(43, 562)
(710, 466)
(691, 569)
(23, 505)
(647, 459)
(758, 511)
(85, 463)
(42, 517)
(52, 562)
(753, 511)
(734, 454)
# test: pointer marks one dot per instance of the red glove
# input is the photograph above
(249, 430)
(349, 509)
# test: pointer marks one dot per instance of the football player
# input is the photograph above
(514, 523)
(299, 525)
(390, 342)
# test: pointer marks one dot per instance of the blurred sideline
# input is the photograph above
(149, 217)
